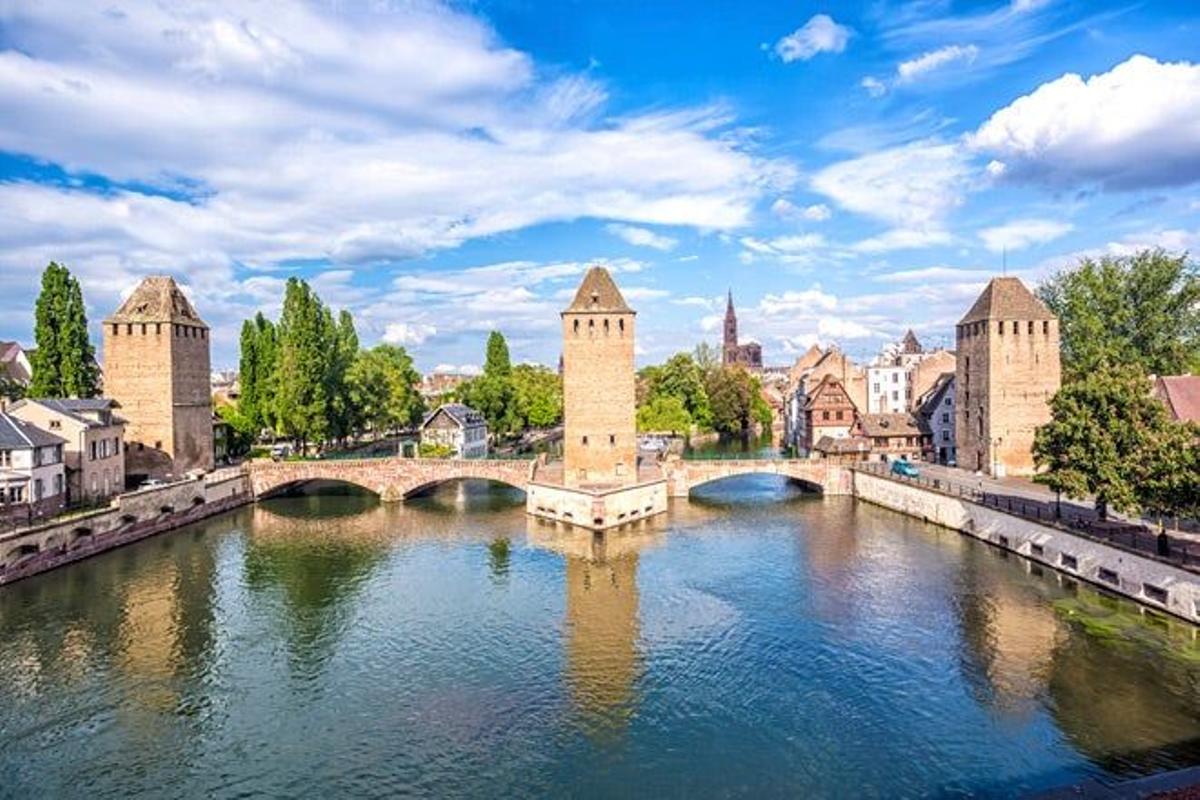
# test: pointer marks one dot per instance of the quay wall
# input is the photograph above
(1146, 580)
(129, 518)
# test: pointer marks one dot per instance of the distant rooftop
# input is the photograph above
(598, 293)
(1181, 394)
(1007, 298)
(157, 299)
(17, 434)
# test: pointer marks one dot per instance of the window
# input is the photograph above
(824, 415)
(621, 325)
(896, 395)
(895, 377)
(114, 329)
(876, 389)
(39, 489)
(947, 401)
(945, 435)
(55, 425)
(585, 441)
(840, 415)
(116, 445)
(143, 329)
(129, 329)
(1031, 327)
(1000, 327)
(576, 326)
(945, 416)
(5, 458)
(612, 439)
(1016, 327)
(104, 448)
(58, 484)
(93, 451)
(1046, 328)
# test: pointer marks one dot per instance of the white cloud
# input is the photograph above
(1131, 127)
(912, 186)
(642, 237)
(842, 328)
(819, 35)
(407, 333)
(459, 369)
(874, 86)
(791, 303)
(817, 213)
(643, 293)
(794, 249)
(1021, 233)
(903, 239)
(915, 69)
(926, 275)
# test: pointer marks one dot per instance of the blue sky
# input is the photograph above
(848, 169)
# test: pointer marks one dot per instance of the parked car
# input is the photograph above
(280, 451)
(150, 483)
(905, 469)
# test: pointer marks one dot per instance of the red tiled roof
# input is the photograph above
(1181, 395)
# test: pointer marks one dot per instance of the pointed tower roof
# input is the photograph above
(1007, 298)
(157, 299)
(598, 294)
(729, 302)
(910, 344)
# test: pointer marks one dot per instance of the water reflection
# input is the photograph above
(791, 646)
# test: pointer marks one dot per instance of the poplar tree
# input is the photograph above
(64, 361)
(301, 396)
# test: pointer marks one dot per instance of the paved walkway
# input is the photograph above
(1034, 501)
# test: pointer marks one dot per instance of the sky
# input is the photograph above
(848, 170)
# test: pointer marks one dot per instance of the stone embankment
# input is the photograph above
(130, 517)
(1154, 583)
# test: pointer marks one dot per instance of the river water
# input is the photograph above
(755, 641)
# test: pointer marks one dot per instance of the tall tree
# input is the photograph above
(249, 369)
(731, 399)
(492, 392)
(301, 400)
(266, 351)
(1141, 309)
(497, 363)
(64, 362)
(382, 384)
(1167, 472)
(344, 417)
(537, 396)
(682, 377)
(1103, 425)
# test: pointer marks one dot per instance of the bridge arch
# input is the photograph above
(415, 489)
(807, 483)
(280, 488)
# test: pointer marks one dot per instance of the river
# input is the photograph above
(756, 641)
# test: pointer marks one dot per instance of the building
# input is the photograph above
(94, 446)
(903, 372)
(440, 384)
(748, 355)
(32, 477)
(156, 366)
(599, 385)
(805, 376)
(459, 427)
(828, 412)
(1181, 396)
(844, 450)
(14, 364)
(936, 409)
(893, 436)
(1008, 369)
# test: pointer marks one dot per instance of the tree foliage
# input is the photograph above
(664, 414)
(1105, 434)
(305, 345)
(242, 431)
(537, 393)
(64, 361)
(1141, 309)
(510, 398)
(731, 394)
(382, 387)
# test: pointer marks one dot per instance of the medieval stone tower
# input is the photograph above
(599, 401)
(156, 366)
(1007, 371)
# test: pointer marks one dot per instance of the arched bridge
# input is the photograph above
(683, 476)
(392, 479)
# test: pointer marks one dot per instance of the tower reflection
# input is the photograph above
(604, 661)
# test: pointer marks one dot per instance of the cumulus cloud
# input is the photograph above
(819, 35)
(842, 328)
(1132, 127)
(1022, 233)
(802, 301)
(407, 333)
(458, 369)
(229, 137)
(641, 237)
(917, 68)
(874, 86)
(903, 239)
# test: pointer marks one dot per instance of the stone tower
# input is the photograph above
(599, 401)
(729, 348)
(1007, 371)
(156, 366)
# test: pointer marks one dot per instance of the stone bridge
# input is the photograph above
(394, 479)
(683, 476)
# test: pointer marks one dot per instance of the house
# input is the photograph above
(804, 378)
(94, 447)
(32, 477)
(936, 409)
(1181, 395)
(903, 372)
(846, 450)
(458, 427)
(440, 384)
(827, 412)
(14, 363)
(893, 436)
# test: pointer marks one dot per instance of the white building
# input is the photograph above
(32, 474)
(459, 427)
(889, 388)
(936, 407)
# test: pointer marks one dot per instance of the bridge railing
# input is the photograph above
(754, 456)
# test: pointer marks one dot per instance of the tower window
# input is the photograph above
(576, 327)
(1016, 327)
(606, 326)
(585, 441)
(621, 325)
(115, 327)
(157, 328)
(128, 328)
(1000, 327)
(1031, 327)
(143, 329)
(1046, 327)
(612, 439)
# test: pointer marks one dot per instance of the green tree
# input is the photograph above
(242, 430)
(382, 385)
(249, 370)
(537, 395)
(731, 399)
(1141, 309)
(1102, 427)
(682, 377)
(1167, 471)
(64, 363)
(301, 401)
(11, 389)
(344, 416)
(492, 394)
(497, 363)
(664, 414)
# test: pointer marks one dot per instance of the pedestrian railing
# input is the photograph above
(1129, 536)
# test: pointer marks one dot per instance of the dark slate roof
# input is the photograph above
(17, 434)
(932, 399)
(1007, 298)
(891, 425)
(462, 414)
(157, 299)
(1181, 394)
(910, 344)
(77, 408)
(598, 293)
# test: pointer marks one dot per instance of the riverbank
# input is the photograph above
(1147, 580)
(130, 517)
